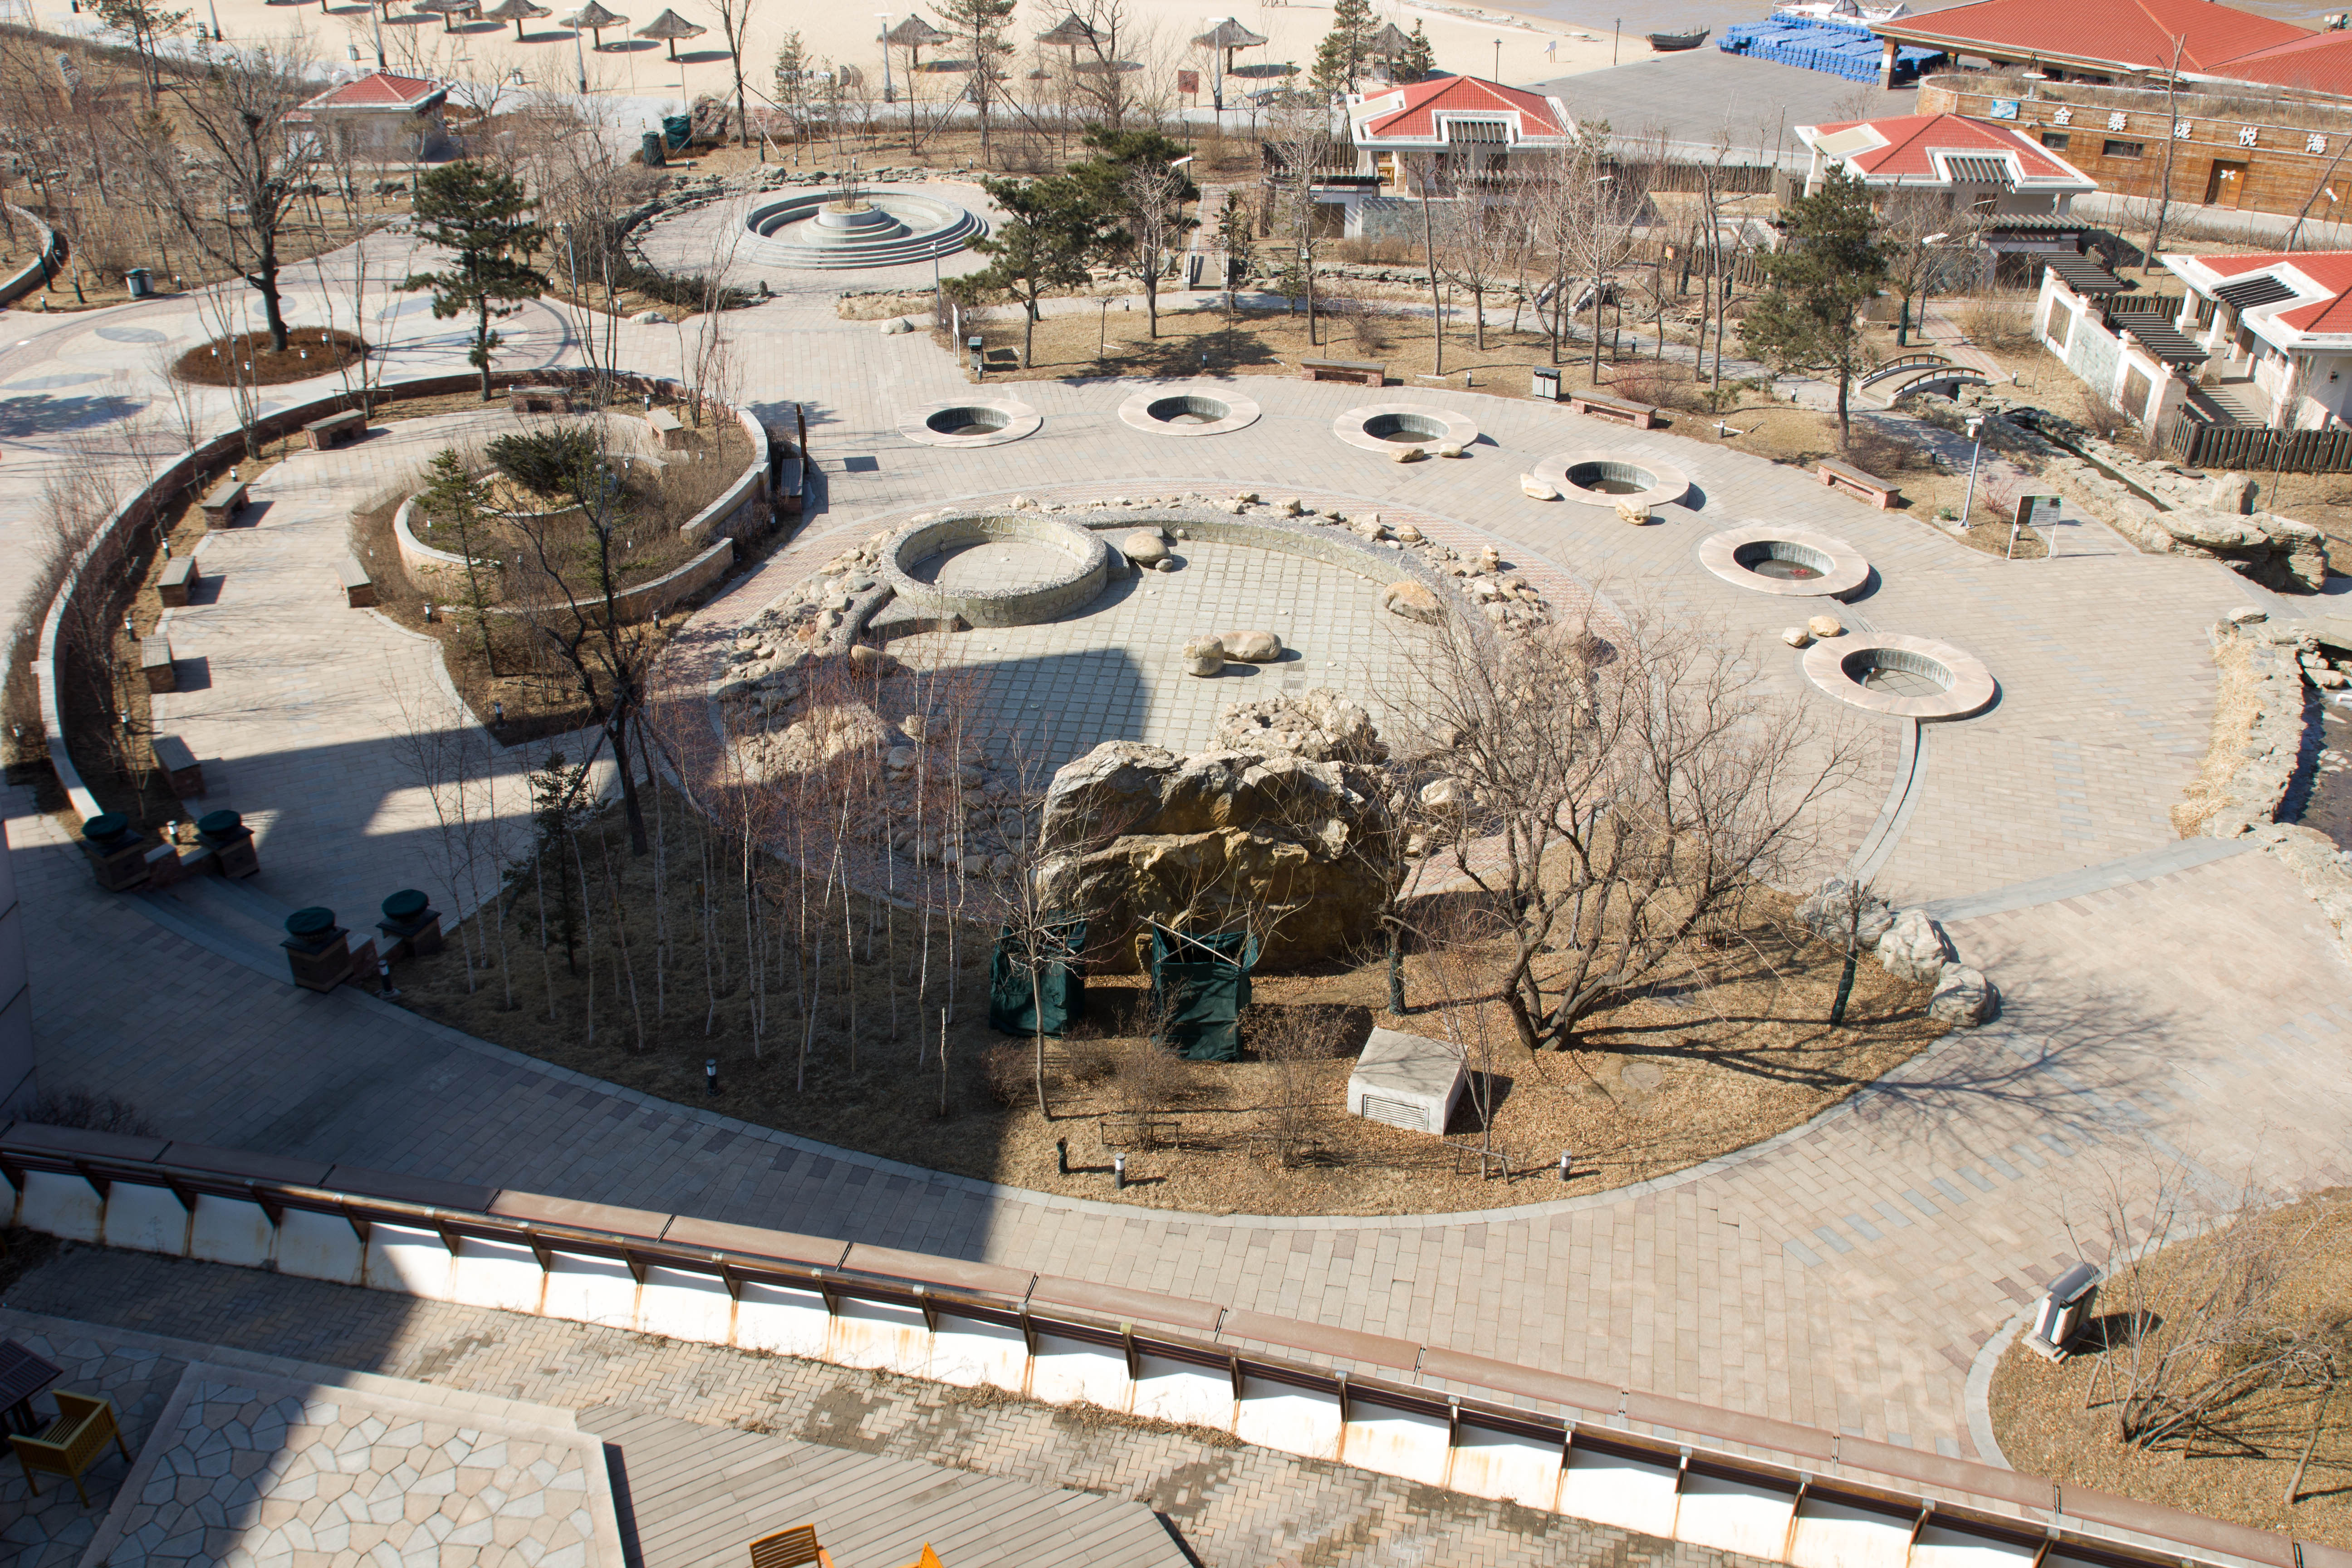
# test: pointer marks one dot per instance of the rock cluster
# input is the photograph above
(1293, 848)
(2196, 514)
(1829, 912)
(1909, 946)
(1322, 727)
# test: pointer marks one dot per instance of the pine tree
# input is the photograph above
(1808, 318)
(1049, 230)
(482, 215)
(1339, 61)
(1419, 62)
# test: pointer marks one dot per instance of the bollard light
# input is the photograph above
(1062, 1155)
(1564, 1164)
(1118, 1171)
(498, 713)
(711, 1073)
(384, 975)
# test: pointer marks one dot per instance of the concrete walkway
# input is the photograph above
(1844, 1274)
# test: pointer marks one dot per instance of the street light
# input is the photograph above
(889, 93)
(1498, 59)
(1902, 326)
(1976, 434)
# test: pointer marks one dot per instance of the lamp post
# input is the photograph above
(1498, 59)
(1926, 272)
(1976, 434)
(889, 93)
(580, 55)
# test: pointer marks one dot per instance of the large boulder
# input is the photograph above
(1964, 998)
(1414, 601)
(1252, 647)
(1322, 727)
(1829, 912)
(1298, 850)
(1913, 949)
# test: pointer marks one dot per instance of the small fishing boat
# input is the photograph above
(1671, 43)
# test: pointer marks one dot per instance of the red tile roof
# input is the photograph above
(2125, 32)
(2331, 269)
(1911, 138)
(377, 90)
(2320, 62)
(1466, 95)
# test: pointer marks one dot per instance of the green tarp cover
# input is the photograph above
(1208, 978)
(1013, 1009)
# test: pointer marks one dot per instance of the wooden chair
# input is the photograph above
(930, 1559)
(73, 1443)
(790, 1549)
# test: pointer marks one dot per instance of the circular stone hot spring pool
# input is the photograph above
(1411, 429)
(1189, 408)
(973, 421)
(1772, 558)
(1609, 479)
(1188, 411)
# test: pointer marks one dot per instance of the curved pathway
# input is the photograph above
(1843, 1274)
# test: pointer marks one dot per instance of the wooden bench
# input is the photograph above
(790, 1548)
(359, 588)
(538, 399)
(791, 484)
(335, 429)
(1854, 482)
(156, 664)
(667, 427)
(1640, 415)
(1368, 372)
(222, 506)
(183, 775)
(180, 574)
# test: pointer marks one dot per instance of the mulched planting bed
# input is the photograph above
(309, 351)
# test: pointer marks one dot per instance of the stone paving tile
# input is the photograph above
(52, 1529)
(1233, 1505)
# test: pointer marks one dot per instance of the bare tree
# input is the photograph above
(735, 27)
(1298, 139)
(1620, 783)
(235, 116)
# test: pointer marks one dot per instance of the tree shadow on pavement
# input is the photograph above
(22, 418)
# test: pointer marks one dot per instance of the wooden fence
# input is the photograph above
(2250, 447)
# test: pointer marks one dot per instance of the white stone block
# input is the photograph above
(1734, 1516)
(1071, 1371)
(970, 1353)
(881, 1334)
(1406, 1081)
(1610, 1489)
(686, 1305)
(319, 1246)
(779, 1319)
(1831, 1534)
(1942, 1546)
(231, 1230)
(1508, 1467)
(503, 1275)
(1294, 1420)
(411, 1261)
(62, 1206)
(1181, 1391)
(1396, 1441)
(585, 1289)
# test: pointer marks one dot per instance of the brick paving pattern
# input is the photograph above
(1235, 1506)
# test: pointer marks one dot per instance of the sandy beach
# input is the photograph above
(1466, 39)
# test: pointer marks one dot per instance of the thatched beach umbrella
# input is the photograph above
(596, 18)
(914, 34)
(1388, 46)
(449, 10)
(1225, 37)
(518, 12)
(670, 27)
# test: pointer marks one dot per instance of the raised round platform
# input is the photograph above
(1795, 562)
(1192, 410)
(888, 228)
(1382, 427)
(1902, 677)
(1614, 480)
(1055, 569)
(971, 421)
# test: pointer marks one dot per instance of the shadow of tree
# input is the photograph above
(22, 418)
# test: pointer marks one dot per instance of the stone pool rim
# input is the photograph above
(1240, 412)
(1020, 420)
(1667, 484)
(1842, 568)
(1454, 429)
(1969, 687)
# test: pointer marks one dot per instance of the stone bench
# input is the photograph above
(156, 664)
(538, 399)
(183, 775)
(179, 576)
(1640, 415)
(1365, 371)
(226, 499)
(1852, 481)
(335, 429)
(359, 588)
(667, 428)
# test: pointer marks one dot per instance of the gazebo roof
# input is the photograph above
(1068, 33)
(1390, 40)
(592, 15)
(1229, 34)
(670, 24)
(914, 33)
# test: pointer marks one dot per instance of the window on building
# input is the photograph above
(2115, 148)
(2055, 139)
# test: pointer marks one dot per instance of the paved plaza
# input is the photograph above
(1846, 1274)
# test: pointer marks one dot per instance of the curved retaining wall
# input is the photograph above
(1089, 558)
(104, 550)
(1667, 1467)
(441, 572)
(39, 270)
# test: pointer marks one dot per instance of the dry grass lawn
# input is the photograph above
(2060, 1420)
(1727, 1051)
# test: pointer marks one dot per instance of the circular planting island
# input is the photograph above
(1188, 411)
(827, 233)
(996, 571)
(971, 421)
(1605, 478)
(1791, 562)
(1383, 427)
(1902, 677)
